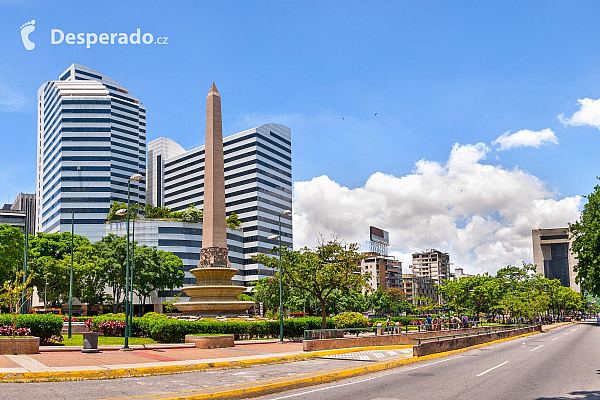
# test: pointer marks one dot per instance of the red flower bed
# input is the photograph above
(8, 330)
(112, 328)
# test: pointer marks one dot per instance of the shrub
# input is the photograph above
(153, 314)
(41, 325)
(167, 330)
(52, 340)
(112, 328)
(350, 320)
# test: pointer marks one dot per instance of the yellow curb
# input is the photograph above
(9, 377)
(558, 326)
(299, 381)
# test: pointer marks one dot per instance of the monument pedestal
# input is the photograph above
(214, 294)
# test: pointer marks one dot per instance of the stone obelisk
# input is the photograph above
(214, 293)
(214, 251)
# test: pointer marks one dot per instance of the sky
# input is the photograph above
(453, 125)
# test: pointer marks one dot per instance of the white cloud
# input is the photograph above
(10, 99)
(481, 214)
(525, 138)
(588, 114)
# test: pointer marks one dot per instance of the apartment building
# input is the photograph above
(385, 271)
(433, 264)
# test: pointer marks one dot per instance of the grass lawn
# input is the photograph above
(77, 340)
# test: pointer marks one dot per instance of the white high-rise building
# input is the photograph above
(258, 187)
(431, 263)
(91, 139)
(159, 150)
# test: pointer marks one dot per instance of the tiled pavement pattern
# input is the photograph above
(372, 355)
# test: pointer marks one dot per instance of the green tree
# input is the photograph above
(347, 300)
(11, 295)
(155, 270)
(49, 257)
(112, 211)
(586, 244)
(169, 306)
(332, 265)
(90, 276)
(233, 221)
(191, 214)
(111, 251)
(11, 251)
(152, 269)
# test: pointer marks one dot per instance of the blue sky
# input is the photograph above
(366, 87)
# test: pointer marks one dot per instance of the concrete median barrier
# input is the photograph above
(437, 346)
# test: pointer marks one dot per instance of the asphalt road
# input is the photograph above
(563, 363)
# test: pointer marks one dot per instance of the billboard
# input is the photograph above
(379, 235)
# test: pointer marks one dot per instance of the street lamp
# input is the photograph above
(132, 178)
(132, 265)
(27, 227)
(273, 237)
(45, 291)
(470, 312)
(120, 213)
(71, 275)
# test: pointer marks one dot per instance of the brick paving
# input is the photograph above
(106, 358)
(74, 359)
(6, 363)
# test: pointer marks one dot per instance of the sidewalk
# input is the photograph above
(71, 364)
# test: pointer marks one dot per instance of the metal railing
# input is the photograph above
(501, 329)
(384, 330)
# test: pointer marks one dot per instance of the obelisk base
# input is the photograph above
(214, 293)
(214, 257)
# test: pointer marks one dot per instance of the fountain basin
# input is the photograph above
(214, 308)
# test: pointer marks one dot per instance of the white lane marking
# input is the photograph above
(491, 369)
(556, 338)
(363, 380)
(541, 345)
(566, 333)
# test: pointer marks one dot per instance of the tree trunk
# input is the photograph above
(323, 315)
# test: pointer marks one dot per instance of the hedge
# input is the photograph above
(173, 331)
(41, 325)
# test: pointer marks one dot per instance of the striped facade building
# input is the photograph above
(91, 139)
(258, 187)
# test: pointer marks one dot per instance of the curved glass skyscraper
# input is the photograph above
(91, 139)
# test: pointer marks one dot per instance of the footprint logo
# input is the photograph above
(26, 29)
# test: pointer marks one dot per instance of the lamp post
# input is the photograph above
(25, 254)
(121, 212)
(132, 178)
(470, 312)
(273, 237)
(132, 265)
(45, 291)
(71, 275)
